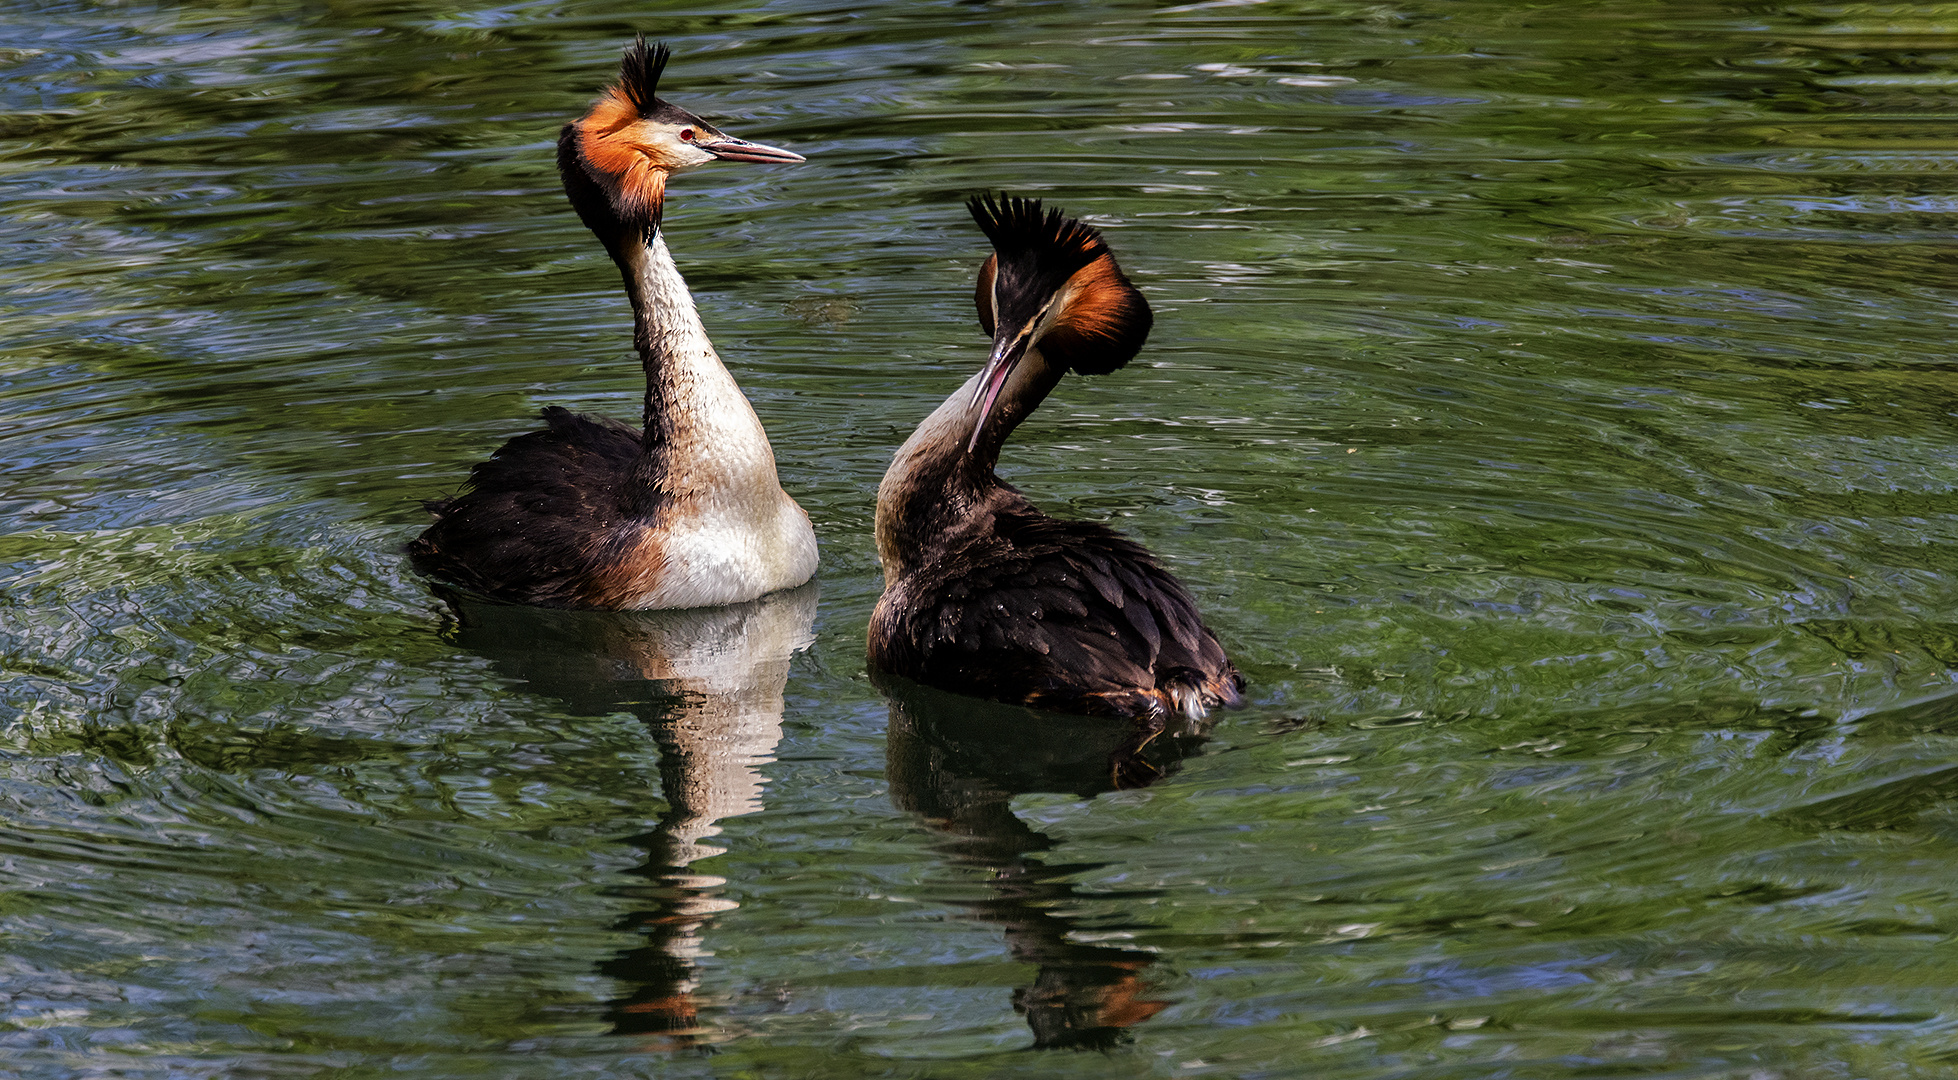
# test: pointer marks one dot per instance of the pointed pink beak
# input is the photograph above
(1007, 354)
(729, 148)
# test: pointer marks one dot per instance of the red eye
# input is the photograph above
(686, 134)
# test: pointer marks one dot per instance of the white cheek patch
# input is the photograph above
(662, 146)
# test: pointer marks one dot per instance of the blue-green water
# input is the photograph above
(1550, 405)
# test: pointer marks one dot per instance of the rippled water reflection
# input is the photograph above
(1548, 404)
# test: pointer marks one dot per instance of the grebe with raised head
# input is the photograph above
(591, 513)
(984, 594)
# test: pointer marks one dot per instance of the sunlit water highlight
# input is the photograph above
(1549, 404)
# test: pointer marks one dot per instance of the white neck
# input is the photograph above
(718, 447)
(721, 527)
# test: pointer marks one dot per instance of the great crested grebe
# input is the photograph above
(591, 513)
(984, 594)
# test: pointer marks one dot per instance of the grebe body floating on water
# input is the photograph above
(591, 513)
(984, 594)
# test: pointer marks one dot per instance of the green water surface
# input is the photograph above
(1549, 403)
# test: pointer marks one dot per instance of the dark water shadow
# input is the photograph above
(708, 683)
(957, 763)
(1932, 714)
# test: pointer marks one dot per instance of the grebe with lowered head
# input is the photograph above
(590, 513)
(984, 594)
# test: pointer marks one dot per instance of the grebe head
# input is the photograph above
(1050, 294)
(615, 159)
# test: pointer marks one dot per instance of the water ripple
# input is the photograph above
(1550, 408)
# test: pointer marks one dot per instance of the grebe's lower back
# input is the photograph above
(984, 594)
(594, 514)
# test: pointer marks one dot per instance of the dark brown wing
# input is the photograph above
(535, 521)
(1062, 615)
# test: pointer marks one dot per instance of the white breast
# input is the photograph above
(729, 557)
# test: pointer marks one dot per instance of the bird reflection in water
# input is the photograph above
(708, 683)
(958, 762)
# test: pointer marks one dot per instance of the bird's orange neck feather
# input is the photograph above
(607, 142)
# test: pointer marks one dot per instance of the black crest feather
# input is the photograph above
(639, 71)
(1018, 228)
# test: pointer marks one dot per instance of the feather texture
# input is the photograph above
(1063, 615)
(541, 517)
